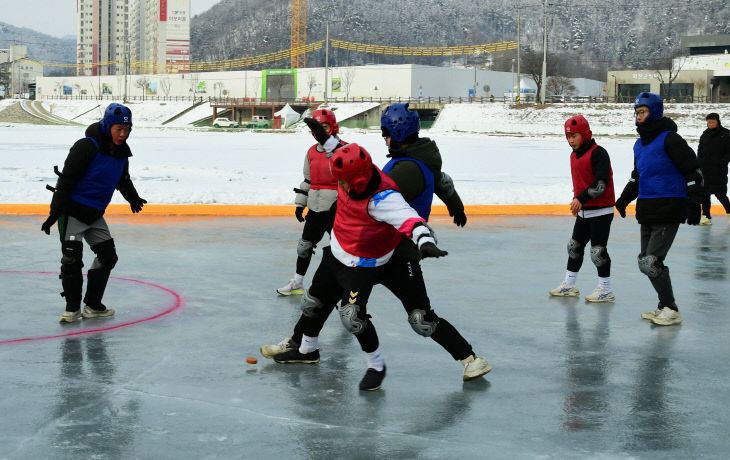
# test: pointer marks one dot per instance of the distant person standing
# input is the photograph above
(96, 165)
(668, 183)
(592, 206)
(317, 192)
(713, 154)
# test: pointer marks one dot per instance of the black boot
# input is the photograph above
(96, 281)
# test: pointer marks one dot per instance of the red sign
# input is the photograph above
(163, 10)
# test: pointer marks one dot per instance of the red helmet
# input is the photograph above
(578, 124)
(352, 164)
(327, 116)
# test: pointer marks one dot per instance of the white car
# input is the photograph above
(222, 122)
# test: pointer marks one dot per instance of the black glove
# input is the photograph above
(317, 130)
(431, 250)
(136, 204)
(460, 218)
(46, 226)
(621, 204)
(298, 212)
(694, 211)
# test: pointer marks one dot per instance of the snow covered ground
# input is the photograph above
(496, 154)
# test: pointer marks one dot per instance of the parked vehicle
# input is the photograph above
(223, 122)
(259, 122)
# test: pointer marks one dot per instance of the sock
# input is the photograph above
(309, 344)
(375, 360)
(570, 278)
(299, 279)
(605, 283)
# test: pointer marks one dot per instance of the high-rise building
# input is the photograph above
(160, 36)
(103, 33)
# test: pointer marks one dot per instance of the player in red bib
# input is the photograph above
(592, 206)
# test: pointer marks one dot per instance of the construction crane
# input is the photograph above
(298, 33)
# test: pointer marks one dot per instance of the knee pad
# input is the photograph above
(72, 252)
(310, 305)
(305, 249)
(575, 249)
(650, 266)
(424, 323)
(599, 256)
(350, 317)
(106, 253)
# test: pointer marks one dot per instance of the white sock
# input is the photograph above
(605, 283)
(309, 344)
(375, 361)
(570, 278)
(299, 279)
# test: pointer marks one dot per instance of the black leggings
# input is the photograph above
(596, 230)
(722, 197)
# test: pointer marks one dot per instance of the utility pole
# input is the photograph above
(326, 61)
(519, 93)
(544, 53)
(126, 63)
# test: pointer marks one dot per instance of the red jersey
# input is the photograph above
(582, 171)
(319, 170)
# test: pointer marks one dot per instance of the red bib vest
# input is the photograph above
(319, 170)
(582, 172)
(357, 232)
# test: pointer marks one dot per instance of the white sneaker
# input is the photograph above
(667, 317)
(705, 221)
(91, 313)
(601, 295)
(475, 367)
(565, 291)
(291, 288)
(269, 351)
(70, 316)
(651, 314)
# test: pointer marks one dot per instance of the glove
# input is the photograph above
(46, 226)
(317, 130)
(694, 210)
(298, 212)
(136, 204)
(621, 206)
(460, 218)
(431, 250)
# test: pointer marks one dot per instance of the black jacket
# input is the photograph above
(79, 158)
(713, 154)
(671, 209)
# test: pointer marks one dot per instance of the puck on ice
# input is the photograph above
(251, 360)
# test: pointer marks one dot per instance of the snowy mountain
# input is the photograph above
(41, 47)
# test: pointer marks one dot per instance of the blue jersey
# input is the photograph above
(422, 203)
(658, 175)
(96, 187)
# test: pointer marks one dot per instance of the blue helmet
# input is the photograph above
(651, 101)
(399, 123)
(115, 114)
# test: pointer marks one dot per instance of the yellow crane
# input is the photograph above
(298, 33)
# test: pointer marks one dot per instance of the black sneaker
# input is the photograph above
(372, 379)
(293, 356)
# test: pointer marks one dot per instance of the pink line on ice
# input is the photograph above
(177, 305)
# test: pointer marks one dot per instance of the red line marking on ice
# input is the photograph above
(177, 305)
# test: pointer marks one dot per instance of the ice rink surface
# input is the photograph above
(570, 379)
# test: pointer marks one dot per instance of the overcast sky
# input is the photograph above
(58, 17)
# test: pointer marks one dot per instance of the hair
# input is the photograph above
(713, 116)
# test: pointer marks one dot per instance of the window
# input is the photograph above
(681, 92)
(628, 93)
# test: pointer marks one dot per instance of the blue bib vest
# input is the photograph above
(422, 203)
(658, 176)
(97, 186)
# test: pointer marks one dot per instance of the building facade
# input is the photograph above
(160, 31)
(102, 39)
(17, 75)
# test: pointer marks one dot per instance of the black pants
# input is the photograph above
(656, 240)
(721, 196)
(315, 226)
(334, 282)
(596, 230)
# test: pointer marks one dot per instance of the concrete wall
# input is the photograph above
(701, 80)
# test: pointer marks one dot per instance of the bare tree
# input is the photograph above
(667, 70)
(559, 85)
(141, 83)
(194, 79)
(700, 87)
(348, 77)
(311, 83)
(531, 64)
(165, 86)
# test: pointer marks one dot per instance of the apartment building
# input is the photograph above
(103, 34)
(160, 36)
